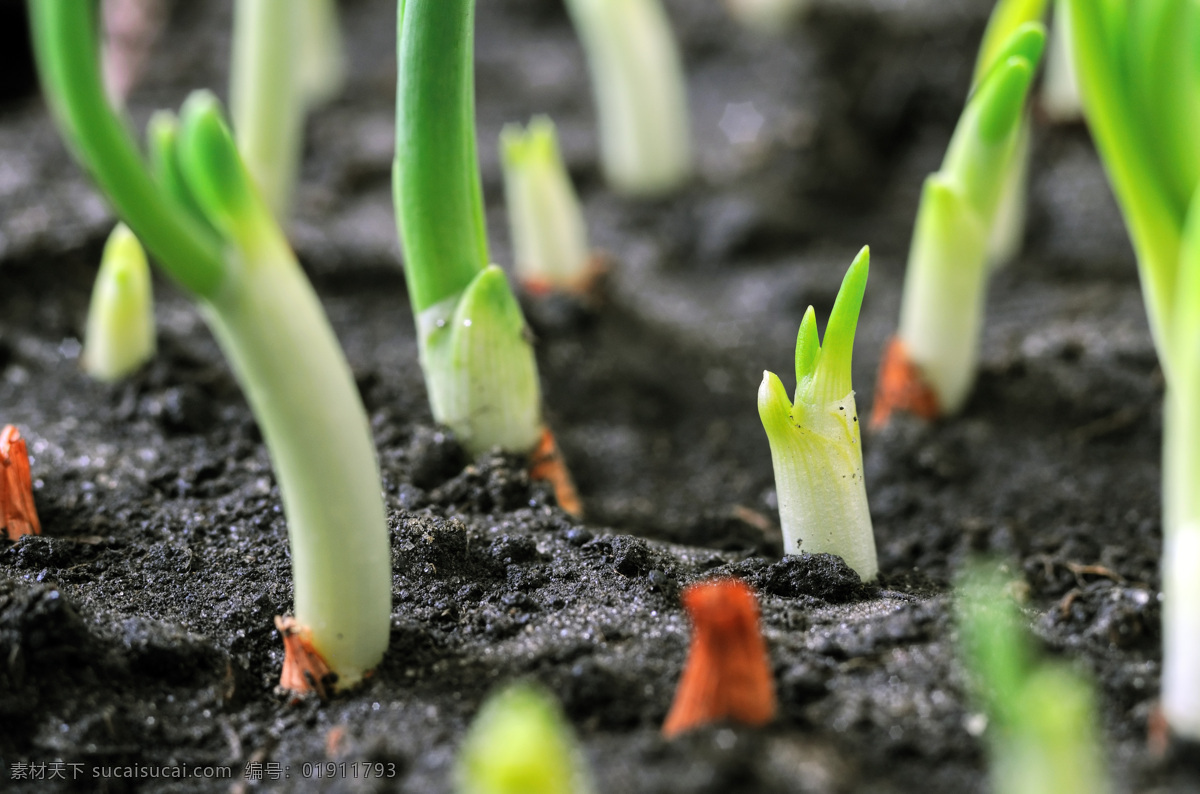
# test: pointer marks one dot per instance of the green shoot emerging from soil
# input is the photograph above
(1140, 81)
(942, 308)
(550, 246)
(120, 324)
(478, 363)
(640, 91)
(1041, 721)
(205, 222)
(815, 441)
(521, 744)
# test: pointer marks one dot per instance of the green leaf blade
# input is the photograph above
(832, 381)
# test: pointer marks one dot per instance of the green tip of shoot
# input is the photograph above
(808, 348)
(550, 245)
(120, 324)
(774, 407)
(1002, 99)
(218, 180)
(815, 441)
(536, 142)
(1007, 17)
(480, 368)
(520, 744)
(832, 376)
(489, 300)
(214, 172)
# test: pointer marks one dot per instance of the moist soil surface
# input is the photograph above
(137, 630)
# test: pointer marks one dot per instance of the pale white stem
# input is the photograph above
(640, 92)
(942, 309)
(816, 452)
(316, 429)
(1181, 629)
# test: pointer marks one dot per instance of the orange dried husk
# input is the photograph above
(587, 288)
(304, 669)
(546, 463)
(18, 515)
(902, 386)
(728, 672)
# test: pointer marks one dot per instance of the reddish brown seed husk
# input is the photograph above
(901, 386)
(18, 515)
(728, 671)
(304, 669)
(547, 464)
(588, 288)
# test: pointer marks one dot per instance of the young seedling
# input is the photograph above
(521, 744)
(929, 366)
(1140, 81)
(815, 441)
(120, 324)
(18, 515)
(1041, 722)
(550, 245)
(728, 672)
(205, 222)
(640, 93)
(474, 344)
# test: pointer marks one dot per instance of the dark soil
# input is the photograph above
(138, 629)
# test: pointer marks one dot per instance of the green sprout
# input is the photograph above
(521, 744)
(474, 347)
(120, 323)
(1041, 718)
(640, 92)
(941, 313)
(816, 445)
(1140, 81)
(223, 246)
(550, 245)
